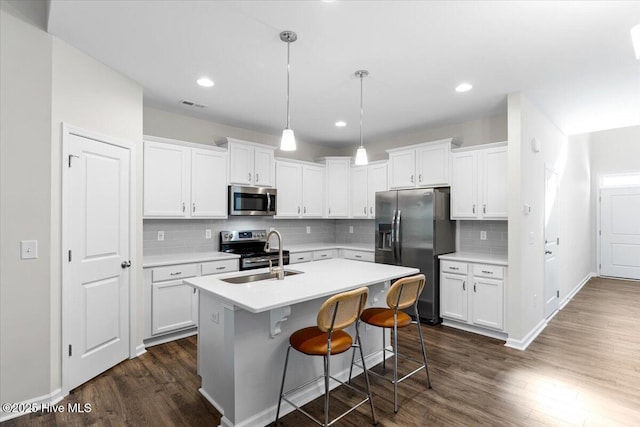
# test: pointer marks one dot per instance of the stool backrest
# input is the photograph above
(341, 310)
(404, 292)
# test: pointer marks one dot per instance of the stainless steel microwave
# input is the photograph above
(252, 201)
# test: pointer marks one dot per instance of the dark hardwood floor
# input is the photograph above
(584, 369)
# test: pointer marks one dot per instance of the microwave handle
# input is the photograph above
(268, 202)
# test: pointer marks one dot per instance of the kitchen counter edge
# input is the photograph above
(476, 257)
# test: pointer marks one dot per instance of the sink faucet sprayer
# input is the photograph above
(278, 271)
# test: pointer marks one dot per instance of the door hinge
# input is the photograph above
(558, 294)
(70, 350)
(72, 156)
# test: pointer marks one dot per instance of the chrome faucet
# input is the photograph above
(279, 270)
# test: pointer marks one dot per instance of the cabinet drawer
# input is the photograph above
(223, 266)
(300, 257)
(453, 267)
(318, 255)
(358, 255)
(174, 272)
(484, 270)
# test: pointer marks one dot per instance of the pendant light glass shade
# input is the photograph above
(288, 142)
(361, 154)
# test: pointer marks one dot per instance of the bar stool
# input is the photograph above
(326, 339)
(403, 294)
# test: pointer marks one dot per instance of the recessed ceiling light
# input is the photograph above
(205, 82)
(463, 87)
(341, 124)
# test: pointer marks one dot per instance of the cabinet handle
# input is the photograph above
(371, 210)
(194, 290)
(304, 210)
(301, 258)
(183, 207)
(329, 211)
(454, 268)
(249, 176)
(257, 177)
(411, 178)
(220, 268)
(323, 255)
(298, 209)
(484, 208)
(358, 256)
(474, 286)
(464, 285)
(487, 272)
(175, 274)
(193, 209)
(474, 209)
(420, 177)
(365, 210)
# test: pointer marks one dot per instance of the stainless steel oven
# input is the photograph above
(252, 201)
(249, 245)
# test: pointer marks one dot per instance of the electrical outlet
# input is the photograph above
(207, 233)
(271, 228)
(308, 229)
(483, 235)
(160, 235)
(351, 229)
(215, 317)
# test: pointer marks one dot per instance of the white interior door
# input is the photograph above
(620, 232)
(551, 242)
(96, 243)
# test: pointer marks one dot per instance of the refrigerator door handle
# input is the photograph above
(398, 236)
(393, 236)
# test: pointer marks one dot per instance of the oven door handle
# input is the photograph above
(255, 260)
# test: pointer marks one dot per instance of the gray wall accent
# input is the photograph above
(181, 236)
(497, 237)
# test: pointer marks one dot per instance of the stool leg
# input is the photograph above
(424, 352)
(353, 359)
(366, 378)
(284, 373)
(384, 352)
(395, 363)
(326, 389)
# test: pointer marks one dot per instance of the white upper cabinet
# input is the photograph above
(337, 177)
(365, 182)
(184, 181)
(250, 164)
(421, 165)
(300, 189)
(479, 183)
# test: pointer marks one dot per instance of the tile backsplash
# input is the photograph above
(495, 243)
(182, 236)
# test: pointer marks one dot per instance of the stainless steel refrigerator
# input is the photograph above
(413, 227)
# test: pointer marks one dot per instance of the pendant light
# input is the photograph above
(288, 142)
(361, 154)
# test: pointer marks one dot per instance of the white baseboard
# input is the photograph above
(36, 404)
(528, 339)
(163, 339)
(575, 290)
(475, 329)
(140, 350)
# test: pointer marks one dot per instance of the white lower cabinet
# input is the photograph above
(472, 294)
(296, 258)
(171, 306)
(357, 255)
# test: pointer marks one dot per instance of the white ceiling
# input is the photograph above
(574, 60)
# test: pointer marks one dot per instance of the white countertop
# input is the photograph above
(186, 258)
(308, 247)
(476, 257)
(319, 279)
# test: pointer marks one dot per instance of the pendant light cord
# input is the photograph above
(288, 72)
(361, 108)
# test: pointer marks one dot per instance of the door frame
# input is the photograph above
(66, 132)
(551, 168)
(598, 224)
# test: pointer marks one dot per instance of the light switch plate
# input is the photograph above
(483, 235)
(160, 235)
(308, 229)
(351, 229)
(207, 233)
(29, 249)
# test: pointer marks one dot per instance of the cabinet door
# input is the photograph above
(377, 181)
(166, 180)
(359, 192)
(312, 191)
(433, 165)
(337, 188)
(173, 306)
(464, 186)
(495, 183)
(403, 169)
(263, 167)
(453, 296)
(208, 184)
(488, 302)
(288, 183)
(240, 164)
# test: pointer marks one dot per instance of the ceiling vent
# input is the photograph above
(192, 104)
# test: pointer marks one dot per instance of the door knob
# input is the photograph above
(125, 264)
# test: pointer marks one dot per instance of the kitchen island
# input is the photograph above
(244, 331)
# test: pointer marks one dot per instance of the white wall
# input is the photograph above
(43, 82)
(25, 173)
(525, 291)
(176, 126)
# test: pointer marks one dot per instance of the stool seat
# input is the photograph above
(383, 317)
(313, 341)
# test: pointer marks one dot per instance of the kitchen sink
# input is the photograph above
(257, 277)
